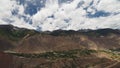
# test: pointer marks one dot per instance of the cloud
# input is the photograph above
(8, 14)
(6, 6)
(62, 14)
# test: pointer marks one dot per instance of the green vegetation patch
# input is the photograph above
(67, 54)
(58, 54)
(113, 53)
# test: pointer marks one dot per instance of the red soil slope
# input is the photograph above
(6, 60)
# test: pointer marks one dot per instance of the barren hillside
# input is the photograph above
(60, 49)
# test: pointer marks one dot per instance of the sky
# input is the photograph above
(49, 15)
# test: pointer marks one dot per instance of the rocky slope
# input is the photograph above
(60, 49)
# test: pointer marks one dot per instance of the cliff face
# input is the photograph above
(61, 49)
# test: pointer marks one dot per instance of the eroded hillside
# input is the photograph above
(60, 49)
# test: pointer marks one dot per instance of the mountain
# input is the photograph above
(60, 34)
(59, 49)
(50, 15)
(25, 39)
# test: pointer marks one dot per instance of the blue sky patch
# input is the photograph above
(99, 14)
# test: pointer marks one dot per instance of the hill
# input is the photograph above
(60, 48)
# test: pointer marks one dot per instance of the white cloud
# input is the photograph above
(6, 6)
(110, 6)
(77, 17)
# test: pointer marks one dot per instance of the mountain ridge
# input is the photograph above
(59, 49)
(44, 40)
